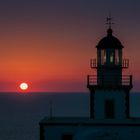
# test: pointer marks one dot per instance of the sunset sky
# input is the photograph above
(48, 43)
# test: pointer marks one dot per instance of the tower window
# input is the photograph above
(111, 58)
(67, 137)
(109, 109)
(103, 56)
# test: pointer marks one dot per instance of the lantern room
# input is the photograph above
(109, 50)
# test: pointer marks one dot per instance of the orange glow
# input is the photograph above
(54, 61)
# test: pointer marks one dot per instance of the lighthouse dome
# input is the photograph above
(109, 41)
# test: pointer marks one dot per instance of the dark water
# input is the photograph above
(20, 113)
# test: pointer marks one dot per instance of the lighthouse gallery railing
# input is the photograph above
(123, 64)
(93, 80)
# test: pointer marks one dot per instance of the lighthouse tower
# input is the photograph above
(109, 89)
(109, 101)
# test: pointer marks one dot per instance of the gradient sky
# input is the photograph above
(48, 43)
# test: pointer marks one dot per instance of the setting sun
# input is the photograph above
(23, 86)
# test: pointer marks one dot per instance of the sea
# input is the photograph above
(20, 113)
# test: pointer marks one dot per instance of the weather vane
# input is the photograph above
(109, 20)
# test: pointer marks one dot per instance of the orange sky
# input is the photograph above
(49, 45)
(52, 63)
(29, 57)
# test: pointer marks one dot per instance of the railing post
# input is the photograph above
(128, 62)
(88, 80)
(130, 80)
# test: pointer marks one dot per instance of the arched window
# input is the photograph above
(103, 56)
(111, 57)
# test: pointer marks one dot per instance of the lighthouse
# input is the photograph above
(109, 117)
(110, 88)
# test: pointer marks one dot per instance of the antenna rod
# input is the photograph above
(51, 111)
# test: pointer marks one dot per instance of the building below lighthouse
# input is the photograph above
(109, 100)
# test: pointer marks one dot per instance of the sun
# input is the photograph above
(23, 86)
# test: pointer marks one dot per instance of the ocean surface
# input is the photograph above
(20, 113)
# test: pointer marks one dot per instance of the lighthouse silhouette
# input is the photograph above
(109, 90)
(109, 116)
